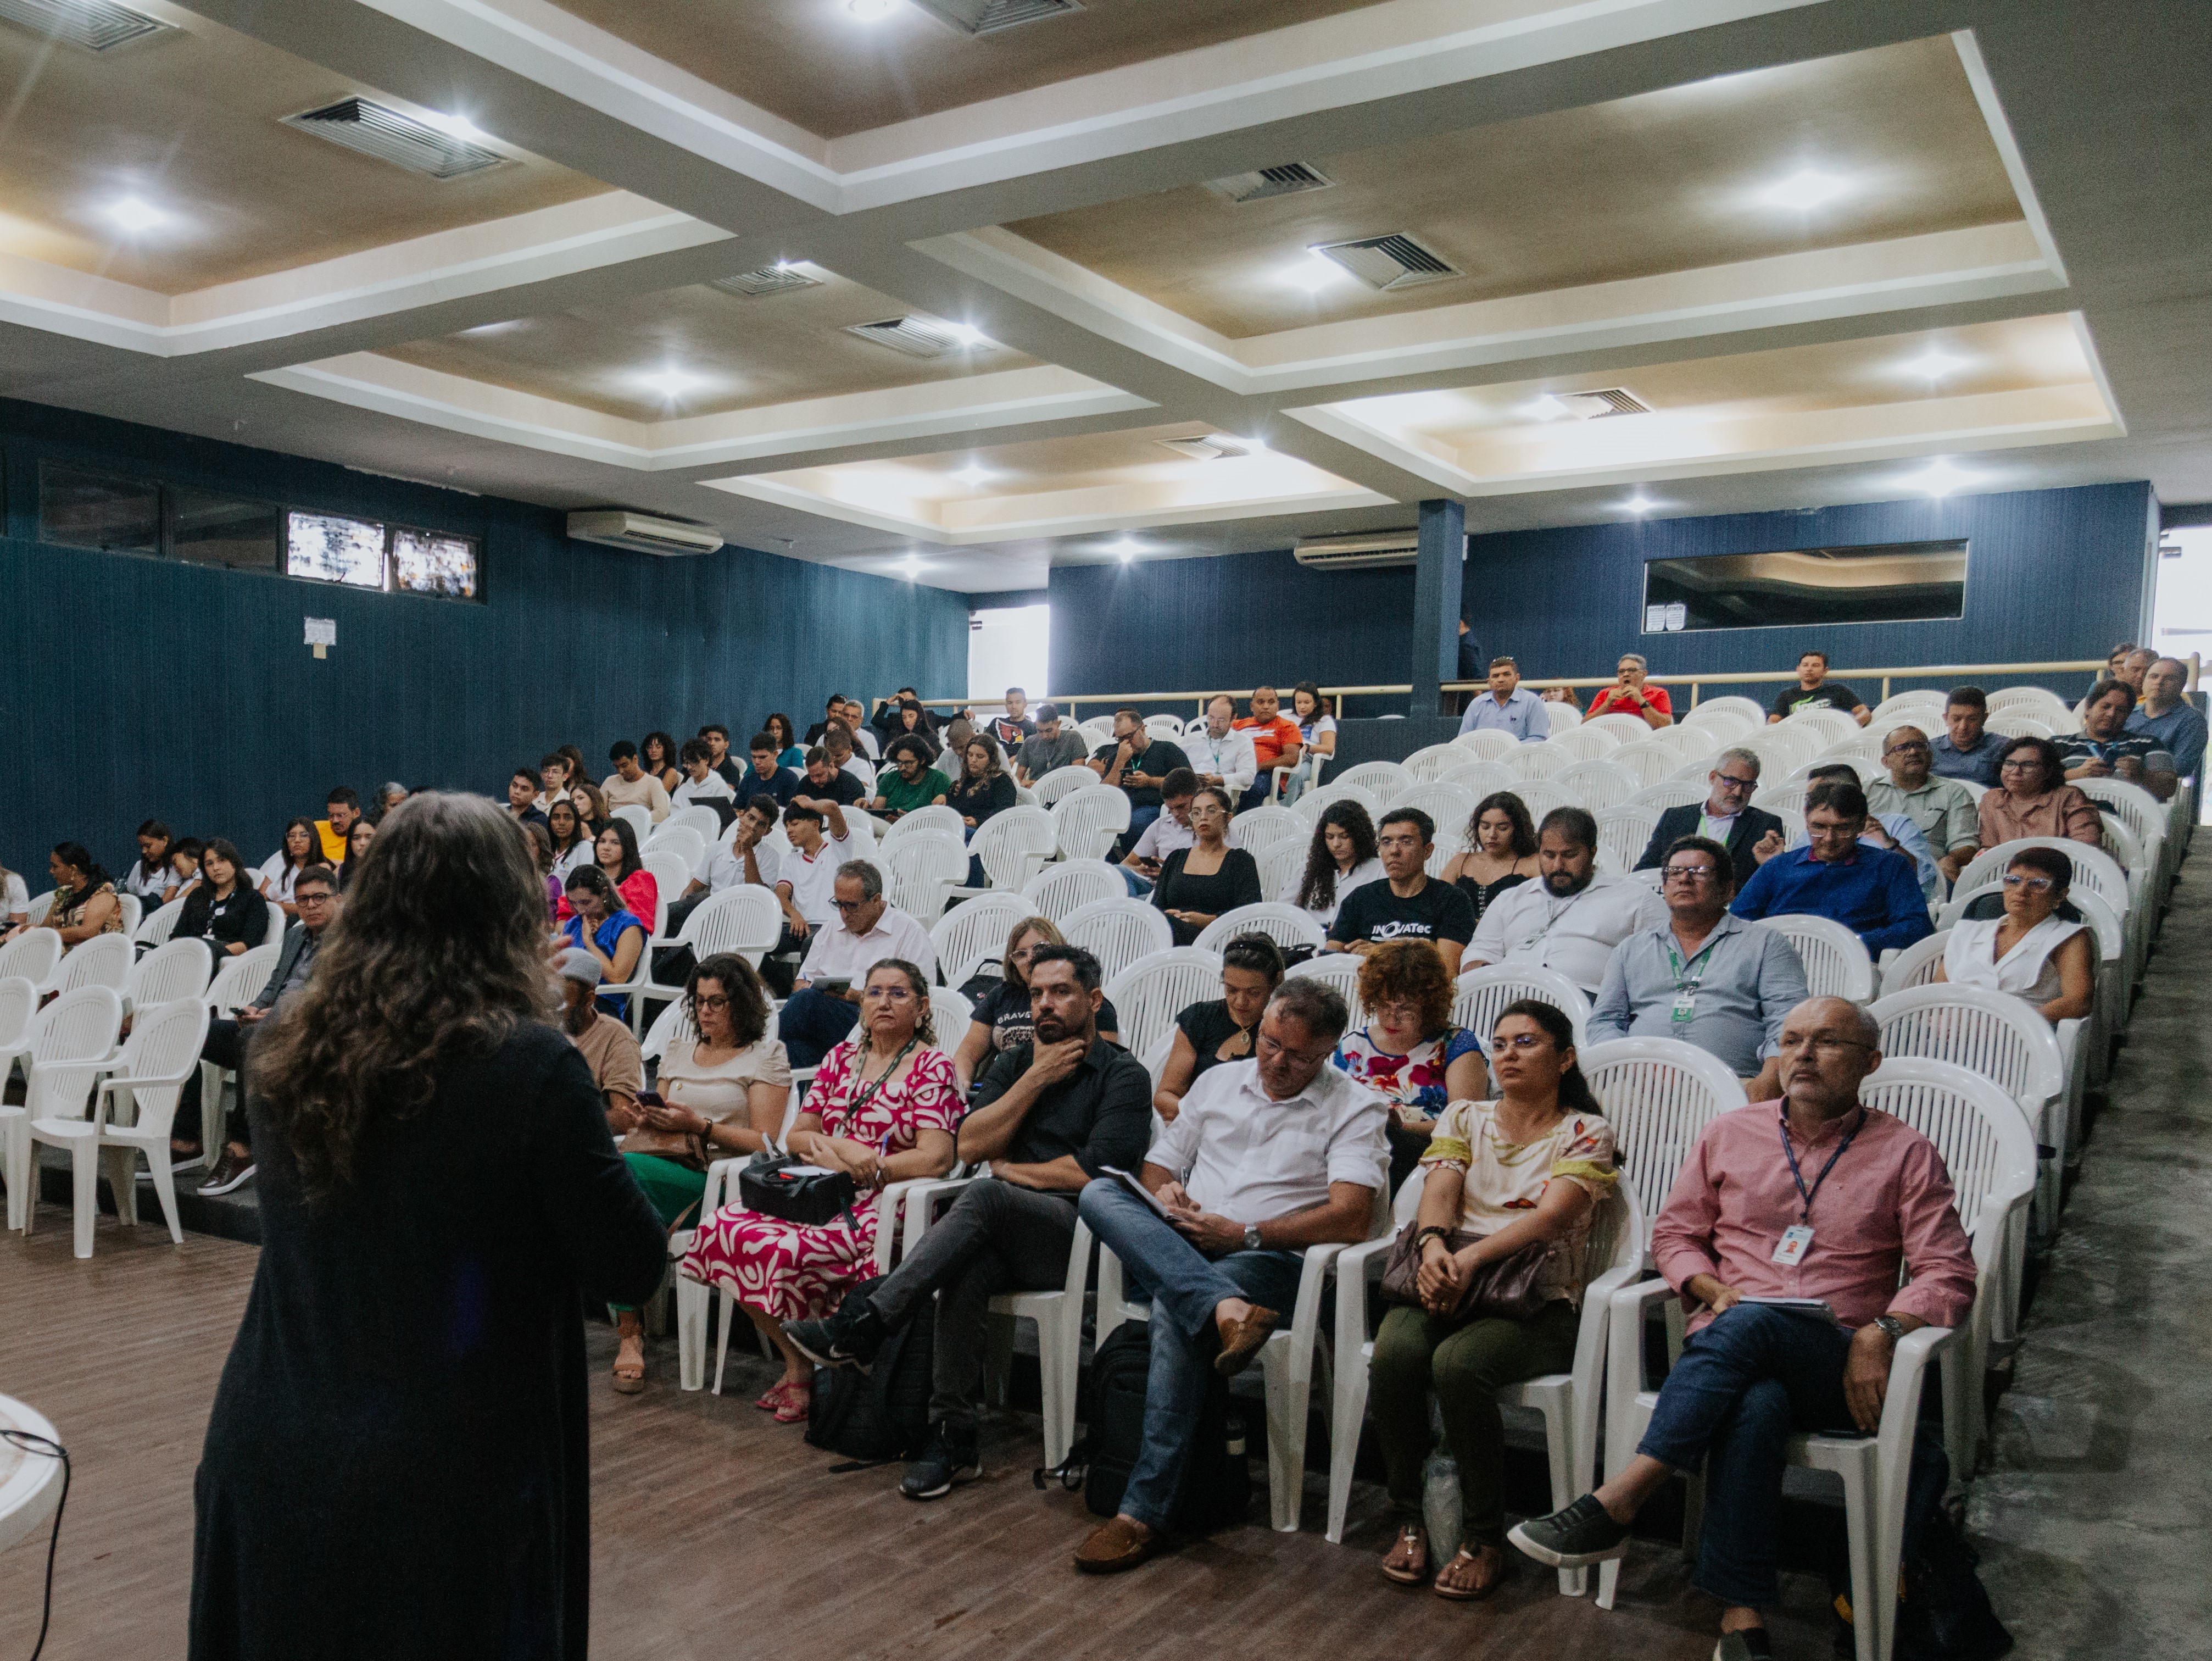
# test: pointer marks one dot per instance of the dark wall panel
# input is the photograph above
(135, 686)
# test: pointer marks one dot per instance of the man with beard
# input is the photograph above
(1572, 919)
(1046, 1118)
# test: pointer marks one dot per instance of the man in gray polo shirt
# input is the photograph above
(1055, 745)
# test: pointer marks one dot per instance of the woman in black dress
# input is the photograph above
(1500, 853)
(226, 910)
(1223, 1029)
(983, 787)
(1200, 882)
(396, 1464)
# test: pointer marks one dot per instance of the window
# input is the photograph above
(332, 548)
(1008, 647)
(207, 529)
(430, 562)
(82, 509)
(1890, 582)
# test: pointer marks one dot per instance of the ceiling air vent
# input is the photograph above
(990, 16)
(1288, 179)
(94, 23)
(1396, 261)
(768, 279)
(400, 139)
(917, 336)
(1609, 401)
(1211, 447)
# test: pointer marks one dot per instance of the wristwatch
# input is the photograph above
(1892, 1325)
(1251, 1236)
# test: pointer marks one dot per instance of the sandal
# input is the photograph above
(629, 1376)
(793, 1409)
(1407, 1561)
(772, 1396)
(1472, 1575)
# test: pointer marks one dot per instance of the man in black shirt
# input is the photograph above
(1014, 728)
(1411, 905)
(832, 711)
(1046, 1117)
(716, 738)
(1136, 765)
(826, 781)
(1814, 691)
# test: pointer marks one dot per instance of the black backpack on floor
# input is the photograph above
(883, 1413)
(1218, 1484)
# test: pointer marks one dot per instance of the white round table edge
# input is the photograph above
(32, 1490)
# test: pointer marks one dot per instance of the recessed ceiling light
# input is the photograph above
(1126, 547)
(1546, 408)
(1939, 479)
(870, 11)
(454, 126)
(1805, 190)
(973, 474)
(912, 565)
(132, 215)
(1934, 364)
(1640, 504)
(670, 384)
(1314, 273)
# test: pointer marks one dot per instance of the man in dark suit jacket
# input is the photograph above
(1752, 835)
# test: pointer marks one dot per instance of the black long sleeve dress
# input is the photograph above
(397, 1464)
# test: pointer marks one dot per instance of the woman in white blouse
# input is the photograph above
(302, 848)
(2031, 951)
(1341, 858)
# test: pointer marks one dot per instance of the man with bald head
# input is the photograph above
(2166, 715)
(1276, 743)
(1816, 1196)
(1943, 809)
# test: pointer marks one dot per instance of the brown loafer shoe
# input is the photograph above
(1116, 1545)
(1241, 1340)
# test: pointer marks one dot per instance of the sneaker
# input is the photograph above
(949, 1459)
(1574, 1538)
(850, 1338)
(1749, 1645)
(230, 1172)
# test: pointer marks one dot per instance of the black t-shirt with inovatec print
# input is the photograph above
(1373, 912)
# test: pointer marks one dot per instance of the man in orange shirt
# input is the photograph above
(1275, 742)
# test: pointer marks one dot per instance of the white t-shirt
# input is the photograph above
(725, 867)
(18, 897)
(813, 882)
(1162, 837)
(1360, 876)
(277, 876)
(146, 884)
(713, 787)
(860, 770)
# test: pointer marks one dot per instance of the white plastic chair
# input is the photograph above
(1541, 796)
(1537, 761)
(1624, 832)
(1658, 1094)
(1673, 792)
(1834, 725)
(1164, 726)
(744, 919)
(640, 820)
(1598, 785)
(1308, 807)
(1698, 742)
(103, 960)
(1647, 761)
(933, 818)
(974, 933)
(1431, 763)
(1480, 778)
(922, 871)
(239, 980)
(1099, 729)
(1449, 806)
(1014, 844)
(1591, 740)
(1287, 925)
(132, 909)
(1836, 961)
(1282, 867)
(1487, 744)
(180, 969)
(1118, 932)
(681, 842)
(1559, 718)
(66, 1046)
(159, 924)
(1744, 708)
(34, 956)
(1480, 994)
(1257, 829)
(1915, 964)
(1339, 970)
(704, 820)
(1152, 991)
(1380, 779)
(1062, 780)
(671, 1024)
(1087, 822)
(1786, 801)
(1059, 889)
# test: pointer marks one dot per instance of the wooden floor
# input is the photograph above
(714, 1528)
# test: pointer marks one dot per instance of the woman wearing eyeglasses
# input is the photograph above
(1409, 1053)
(2032, 799)
(1200, 882)
(2031, 951)
(883, 1109)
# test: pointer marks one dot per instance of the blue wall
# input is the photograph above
(133, 686)
(2051, 575)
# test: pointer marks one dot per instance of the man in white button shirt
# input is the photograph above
(1265, 1158)
(1221, 754)
(1571, 918)
(869, 928)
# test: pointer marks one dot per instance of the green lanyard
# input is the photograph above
(1684, 1009)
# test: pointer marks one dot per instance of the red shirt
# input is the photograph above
(1269, 737)
(1615, 701)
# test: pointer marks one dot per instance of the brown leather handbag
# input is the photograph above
(1506, 1287)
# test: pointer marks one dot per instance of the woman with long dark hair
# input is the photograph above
(787, 750)
(226, 909)
(614, 852)
(84, 903)
(358, 839)
(571, 837)
(300, 848)
(150, 879)
(1500, 852)
(657, 754)
(397, 1462)
(1341, 858)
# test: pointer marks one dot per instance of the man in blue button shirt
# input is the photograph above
(1507, 706)
(2167, 717)
(1966, 748)
(1872, 893)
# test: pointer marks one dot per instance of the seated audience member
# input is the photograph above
(1276, 745)
(767, 776)
(833, 714)
(300, 848)
(1500, 853)
(2032, 799)
(716, 738)
(983, 787)
(599, 923)
(1573, 916)
(524, 786)
(541, 855)
(571, 841)
(613, 852)
(1164, 836)
(837, 744)
(556, 777)
(1896, 832)
(573, 771)
(1528, 1170)
(869, 929)
(1268, 1157)
(883, 1109)
(1752, 835)
(748, 858)
(2168, 719)
(825, 781)
(1508, 706)
(1341, 858)
(2130, 671)
(889, 719)
(185, 860)
(1409, 1053)
(608, 1047)
(1967, 748)
(911, 722)
(1224, 1029)
(2116, 659)
(1199, 883)
(911, 781)
(1703, 976)
(151, 879)
(316, 894)
(15, 902)
(1872, 892)
(341, 808)
(1045, 1118)
(821, 842)
(1136, 765)
(702, 786)
(590, 804)
(1559, 692)
(1055, 745)
(357, 841)
(1752, 1375)
(389, 795)
(1814, 691)
(722, 1096)
(1001, 1019)
(1943, 809)
(2104, 749)
(1316, 725)
(656, 753)
(226, 909)
(630, 785)
(1633, 694)
(2030, 951)
(1221, 753)
(788, 751)
(1408, 904)
(864, 736)
(1014, 728)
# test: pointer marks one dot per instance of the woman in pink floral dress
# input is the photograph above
(883, 1107)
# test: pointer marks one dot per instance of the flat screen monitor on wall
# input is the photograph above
(332, 548)
(1890, 582)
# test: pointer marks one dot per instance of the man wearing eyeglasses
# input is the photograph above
(1571, 918)
(1814, 1197)
(1872, 892)
(826, 1000)
(1943, 808)
(1752, 835)
(1703, 977)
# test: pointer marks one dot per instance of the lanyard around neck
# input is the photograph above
(1797, 1176)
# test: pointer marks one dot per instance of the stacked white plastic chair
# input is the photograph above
(1598, 785)
(1064, 781)
(1537, 761)
(1087, 821)
(1623, 832)
(974, 933)
(1059, 889)
(1014, 844)
(1339, 970)
(1288, 926)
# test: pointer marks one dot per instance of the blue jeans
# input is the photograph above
(1745, 1384)
(1138, 887)
(812, 1024)
(1184, 1285)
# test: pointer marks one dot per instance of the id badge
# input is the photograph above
(1684, 1008)
(1797, 1241)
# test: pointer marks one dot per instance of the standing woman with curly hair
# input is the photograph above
(396, 1462)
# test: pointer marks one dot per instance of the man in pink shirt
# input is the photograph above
(1815, 1196)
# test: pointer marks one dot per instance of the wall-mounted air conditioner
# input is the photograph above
(641, 533)
(1362, 552)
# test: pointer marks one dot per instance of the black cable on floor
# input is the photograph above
(39, 1444)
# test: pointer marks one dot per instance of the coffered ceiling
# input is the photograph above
(1819, 247)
